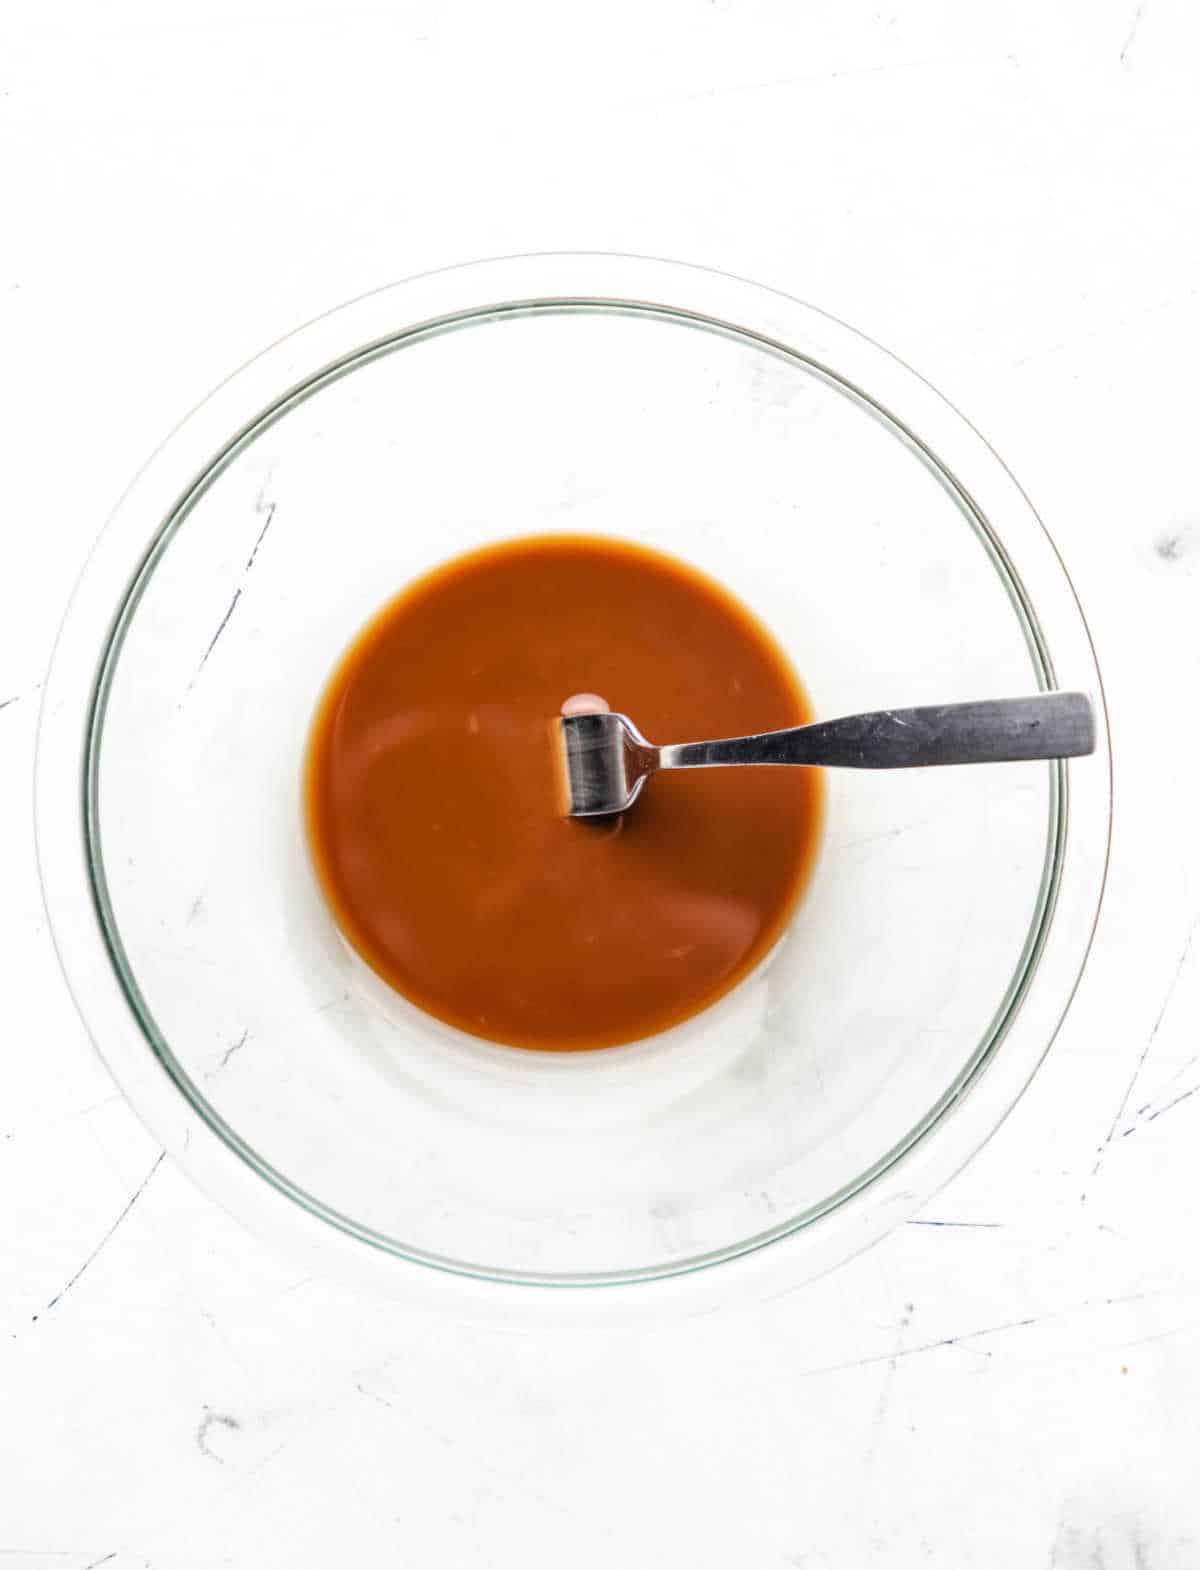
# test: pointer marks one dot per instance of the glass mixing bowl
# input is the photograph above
(873, 530)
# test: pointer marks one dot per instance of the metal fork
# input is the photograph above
(608, 760)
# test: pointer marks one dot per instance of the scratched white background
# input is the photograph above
(1007, 196)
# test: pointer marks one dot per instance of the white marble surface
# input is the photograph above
(1008, 197)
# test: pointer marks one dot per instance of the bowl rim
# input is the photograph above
(155, 505)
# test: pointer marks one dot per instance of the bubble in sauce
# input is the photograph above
(584, 703)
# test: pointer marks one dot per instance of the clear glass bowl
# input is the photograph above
(896, 560)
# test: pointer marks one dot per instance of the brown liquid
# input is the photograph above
(433, 795)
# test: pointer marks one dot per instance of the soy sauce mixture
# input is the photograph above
(433, 795)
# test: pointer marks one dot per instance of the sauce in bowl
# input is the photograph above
(433, 795)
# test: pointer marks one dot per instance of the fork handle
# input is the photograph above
(998, 730)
